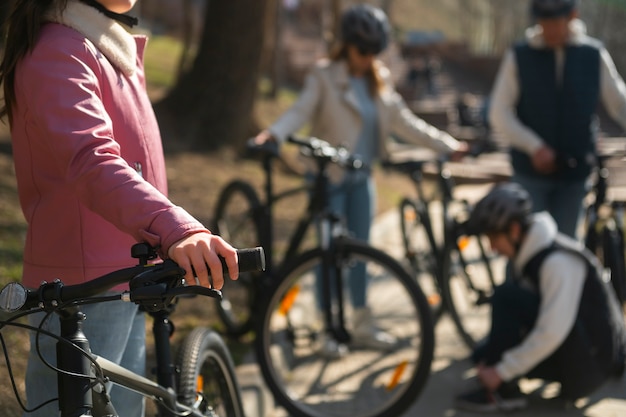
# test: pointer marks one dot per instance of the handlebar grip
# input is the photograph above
(250, 259)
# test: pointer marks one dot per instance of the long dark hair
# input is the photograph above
(20, 32)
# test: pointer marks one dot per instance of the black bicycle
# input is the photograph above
(243, 219)
(457, 272)
(307, 301)
(604, 226)
(200, 382)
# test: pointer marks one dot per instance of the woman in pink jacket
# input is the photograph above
(90, 171)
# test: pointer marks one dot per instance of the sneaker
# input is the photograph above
(366, 335)
(507, 398)
(330, 348)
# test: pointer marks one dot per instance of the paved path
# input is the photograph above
(451, 372)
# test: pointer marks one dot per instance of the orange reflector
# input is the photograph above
(288, 300)
(199, 384)
(409, 215)
(434, 299)
(463, 242)
(397, 374)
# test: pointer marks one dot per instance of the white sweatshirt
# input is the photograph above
(561, 280)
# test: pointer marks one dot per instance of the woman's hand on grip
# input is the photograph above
(200, 250)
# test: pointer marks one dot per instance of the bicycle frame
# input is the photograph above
(607, 228)
(316, 209)
(450, 231)
(96, 399)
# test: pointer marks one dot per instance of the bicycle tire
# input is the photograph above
(362, 383)
(419, 255)
(613, 254)
(236, 221)
(471, 275)
(207, 379)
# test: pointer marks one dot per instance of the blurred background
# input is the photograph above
(210, 63)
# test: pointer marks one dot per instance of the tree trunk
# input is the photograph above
(212, 103)
(187, 34)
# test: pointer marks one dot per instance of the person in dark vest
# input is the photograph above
(543, 105)
(556, 319)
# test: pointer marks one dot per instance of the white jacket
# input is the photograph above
(561, 281)
(505, 94)
(332, 108)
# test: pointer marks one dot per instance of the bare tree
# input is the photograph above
(211, 104)
(273, 45)
(187, 34)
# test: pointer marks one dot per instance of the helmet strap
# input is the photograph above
(127, 20)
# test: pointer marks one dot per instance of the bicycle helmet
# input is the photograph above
(548, 9)
(503, 204)
(365, 27)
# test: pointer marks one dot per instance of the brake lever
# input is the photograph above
(195, 290)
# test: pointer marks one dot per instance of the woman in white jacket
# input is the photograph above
(349, 100)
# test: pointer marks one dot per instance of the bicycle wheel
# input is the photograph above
(362, 382)
(613, 253)
(236, 221)
(207, 380)
(471, 276)
(419, 254)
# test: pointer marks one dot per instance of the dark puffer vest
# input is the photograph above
(600, 322)
(563, 115)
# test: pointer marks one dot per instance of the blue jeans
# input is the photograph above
(115, 330)
(563, 199)
(355, 201)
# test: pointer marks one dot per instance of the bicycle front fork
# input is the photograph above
(331, 276)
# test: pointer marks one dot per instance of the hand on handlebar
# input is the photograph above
(461, 151)
(263, 137)
(195, 252)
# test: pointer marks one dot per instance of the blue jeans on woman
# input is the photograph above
(115, 330)
(353, 200)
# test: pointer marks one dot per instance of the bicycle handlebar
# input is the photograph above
(266, 149)
(476, 149)
(324, 151)
(152, 286)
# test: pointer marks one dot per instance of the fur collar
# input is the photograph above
(110, 37)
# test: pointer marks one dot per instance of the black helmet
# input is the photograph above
(503, 204)
(548, 9)
(365, 27)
